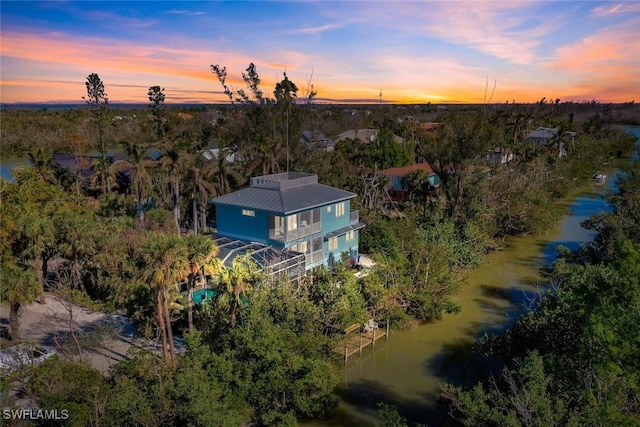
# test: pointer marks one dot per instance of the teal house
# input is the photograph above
(289, 213)
(397, 175)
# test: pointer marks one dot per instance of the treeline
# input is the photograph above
(261, 352)
(573, 359)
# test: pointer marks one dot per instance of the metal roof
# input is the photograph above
(344, 230)
(269, 259)
(285, 198)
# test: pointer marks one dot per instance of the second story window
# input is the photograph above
(339, 209)
(248, 212)
(350, 235)
(333, 243)
(276, 227)
(292, 227)
(292, 222)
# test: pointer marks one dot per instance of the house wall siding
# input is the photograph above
(232, 223)
(329, 220)
(349, 247)
(331, 223)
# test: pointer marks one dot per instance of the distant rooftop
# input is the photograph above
(406, 169)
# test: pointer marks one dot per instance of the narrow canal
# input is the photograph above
(406, 370)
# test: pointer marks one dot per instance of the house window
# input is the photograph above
(316, 250)
(329, 208)
(333, 243)
(292, 222)
(248, 212)
(350, 235)
(304, 247)
(292, 227)
(305, 223)
(339, 209)
(276, 227)
(315, 228)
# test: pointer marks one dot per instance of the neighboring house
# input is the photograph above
(543, 136)
(291, 213)
(499, 156)
(81, 165)
(429, 126)
(215, 117)
(364, 135)
(317, 139)
(214, 153)
(400, 192)
(84, 166)
(185, 116)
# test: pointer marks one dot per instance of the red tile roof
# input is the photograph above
(429, 126)
(406, 169)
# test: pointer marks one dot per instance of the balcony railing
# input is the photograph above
(306, 230)
(277, 235)
(354, 217)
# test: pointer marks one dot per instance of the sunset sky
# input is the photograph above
(414, 52)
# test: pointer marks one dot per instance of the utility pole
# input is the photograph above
(381, 99)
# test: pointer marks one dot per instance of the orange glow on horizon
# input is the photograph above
(128, 70)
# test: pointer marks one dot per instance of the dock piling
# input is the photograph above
(355, 344)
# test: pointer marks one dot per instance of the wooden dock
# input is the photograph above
(358, 337)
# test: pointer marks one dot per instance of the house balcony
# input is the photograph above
(354, 217)
(304, 231)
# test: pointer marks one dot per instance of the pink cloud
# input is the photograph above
(313, 30)
(610, 58)
(616, 8)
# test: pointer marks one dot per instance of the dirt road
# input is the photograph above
(104, 338)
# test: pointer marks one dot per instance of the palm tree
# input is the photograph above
(172, 163)
(165, 264)
(140, 178)
(103, 177)
(225, 171)
(18, 287)
(79, 145)
(42, 161)
(420, 190)
(36, 237)
(202, 255)
(237, 282)
(77, 242)
(265, 154)
(558, 143)
(199, 177)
